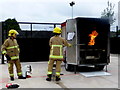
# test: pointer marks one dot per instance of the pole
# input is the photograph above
(1, 42)
(71, 4)
(72, 12)
(31, 29)
(116, 31)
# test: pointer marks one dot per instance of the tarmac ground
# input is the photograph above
(69, 79)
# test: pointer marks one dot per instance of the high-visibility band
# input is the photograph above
(58, 73)
(12, 47)
(14, 57)
(48, 62)
(57, 45)
(60, 51)
(11, 75)
(49, 72)
(9, 64)
(19, 73)
(18, 49)
(3, 52)
(56, 57)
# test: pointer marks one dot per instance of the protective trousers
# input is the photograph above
(58, 66)
(18, 67)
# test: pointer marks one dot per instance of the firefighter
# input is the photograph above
(10, 49)
(56, 53)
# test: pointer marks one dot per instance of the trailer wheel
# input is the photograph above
(68, 67)
(99, 67)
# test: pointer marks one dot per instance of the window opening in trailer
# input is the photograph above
(92, 36)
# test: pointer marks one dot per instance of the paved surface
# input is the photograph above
(69, 79)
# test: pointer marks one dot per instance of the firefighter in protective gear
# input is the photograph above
(13, 33)
(10, 49)
(56, 53)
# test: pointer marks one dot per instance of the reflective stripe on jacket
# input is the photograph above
(11, 48)
(60, 56)
(56, 43)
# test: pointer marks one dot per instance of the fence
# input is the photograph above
(33, 40)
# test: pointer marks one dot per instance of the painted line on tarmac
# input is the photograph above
(60, 75)
(5, 80)
(62, 85)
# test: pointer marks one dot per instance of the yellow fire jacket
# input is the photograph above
(56, 47)
(11, 48)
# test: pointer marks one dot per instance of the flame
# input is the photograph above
(92, 36)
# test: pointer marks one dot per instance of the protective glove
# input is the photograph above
(19, 49)
(8, 57)
(69, 45)
(4, 52)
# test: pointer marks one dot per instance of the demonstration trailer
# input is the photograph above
(90, 42)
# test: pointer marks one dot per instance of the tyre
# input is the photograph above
(68, 67)
(99, 67)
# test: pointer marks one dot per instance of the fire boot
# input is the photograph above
(21, 77)
(58, 78)
(49, 77)
(12, 78)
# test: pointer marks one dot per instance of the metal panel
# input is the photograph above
(63, 34)
(71, 52)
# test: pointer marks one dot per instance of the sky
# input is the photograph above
(52, 11)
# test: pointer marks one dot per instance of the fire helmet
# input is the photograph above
(57, 30)
(13, 32)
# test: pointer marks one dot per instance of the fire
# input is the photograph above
(92, 36)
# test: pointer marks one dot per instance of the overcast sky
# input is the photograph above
(55, 11)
